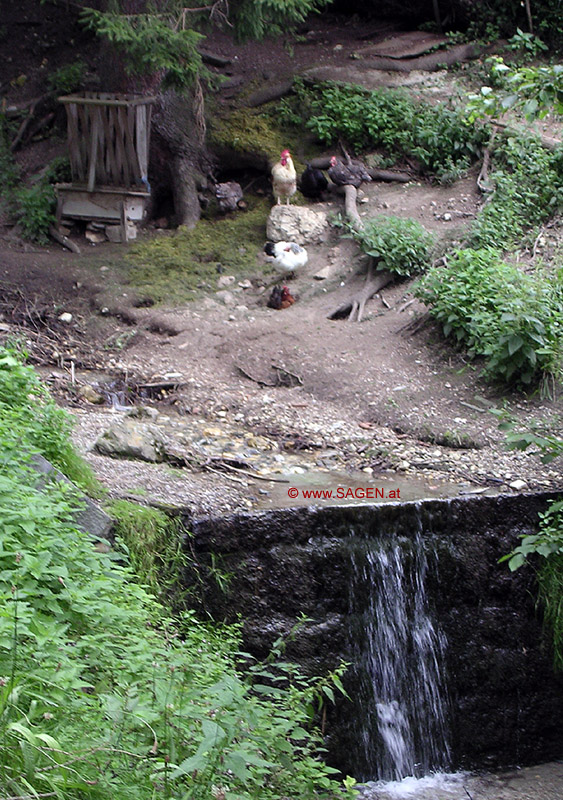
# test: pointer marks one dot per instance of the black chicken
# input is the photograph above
(347, 174)
(313, 182)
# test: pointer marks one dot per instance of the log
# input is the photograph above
(64, 240)
(270, 93)
(323, 162)
(214, 59)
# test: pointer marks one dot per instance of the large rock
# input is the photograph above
(132, 439)
(296, 224)
(89, 517)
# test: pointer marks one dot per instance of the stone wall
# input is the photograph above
(506, 703)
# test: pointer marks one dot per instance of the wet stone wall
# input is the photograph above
(505, 703)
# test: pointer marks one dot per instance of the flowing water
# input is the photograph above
(398, 657)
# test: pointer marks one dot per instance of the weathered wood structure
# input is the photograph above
(108, 142)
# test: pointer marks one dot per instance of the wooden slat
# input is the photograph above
(108, 138)
(73, 142)
(96, 101)
(130, 148)
(141, 140)
(120, 146)
(93, 150)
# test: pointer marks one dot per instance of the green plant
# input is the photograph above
(68, 79)
(525, 45)
(100, 695)
(34, 210)
(38, 423)
(545, 437)
(528, 190)
(438, 137)
(399, 245)
(512, 319)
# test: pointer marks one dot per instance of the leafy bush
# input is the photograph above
(99, 694)
(513, 320)
(34, 210)
(37, 422)
(438, 137)
(68, 79)
(528, 181)
(399, 245)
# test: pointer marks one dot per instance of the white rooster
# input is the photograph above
(288, 256)
(284, 177)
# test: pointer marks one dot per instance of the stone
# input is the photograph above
(225, 280)
(90, 394)
(114, 233)
(132, 439)
(296, 224)
(66, 316)
(323, 273)
(226, 297)
(95, 237)
(88, 517)
(518, 484)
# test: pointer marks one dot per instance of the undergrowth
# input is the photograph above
(527, 182)
(31, 206)
(512, 319)
(437, 137)
(399, 245)
(99, 694)
(174, 267)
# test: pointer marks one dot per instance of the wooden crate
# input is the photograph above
(108, 139)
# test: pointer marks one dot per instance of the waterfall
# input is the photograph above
(398, 654)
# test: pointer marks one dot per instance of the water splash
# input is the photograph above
(398, 657)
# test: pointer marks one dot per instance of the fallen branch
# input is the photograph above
(353, 309)
(269, 94)
(64, 240)
(323, 162)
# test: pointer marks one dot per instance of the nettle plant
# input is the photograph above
(400, 245)
(438, 137)
(102, 693)
(493, 309)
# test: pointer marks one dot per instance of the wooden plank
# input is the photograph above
(83, 139)
(129, 140)
(73, 142)
(97, 101)
(121, 138)
(120, 157)
(93, 150)
(103, 159)
(141, 139)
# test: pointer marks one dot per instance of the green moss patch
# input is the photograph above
(178, 267)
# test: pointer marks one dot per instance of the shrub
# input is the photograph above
(34, 210)
(438, 137)
(99, 694)
(513, 320)
(528, 182)
(399, 245)
(69, 78)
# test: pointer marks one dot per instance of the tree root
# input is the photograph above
(353, 309)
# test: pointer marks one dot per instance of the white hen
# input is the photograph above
(288, 256)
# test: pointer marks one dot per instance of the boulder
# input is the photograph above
(132, 439)
(296, 224)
